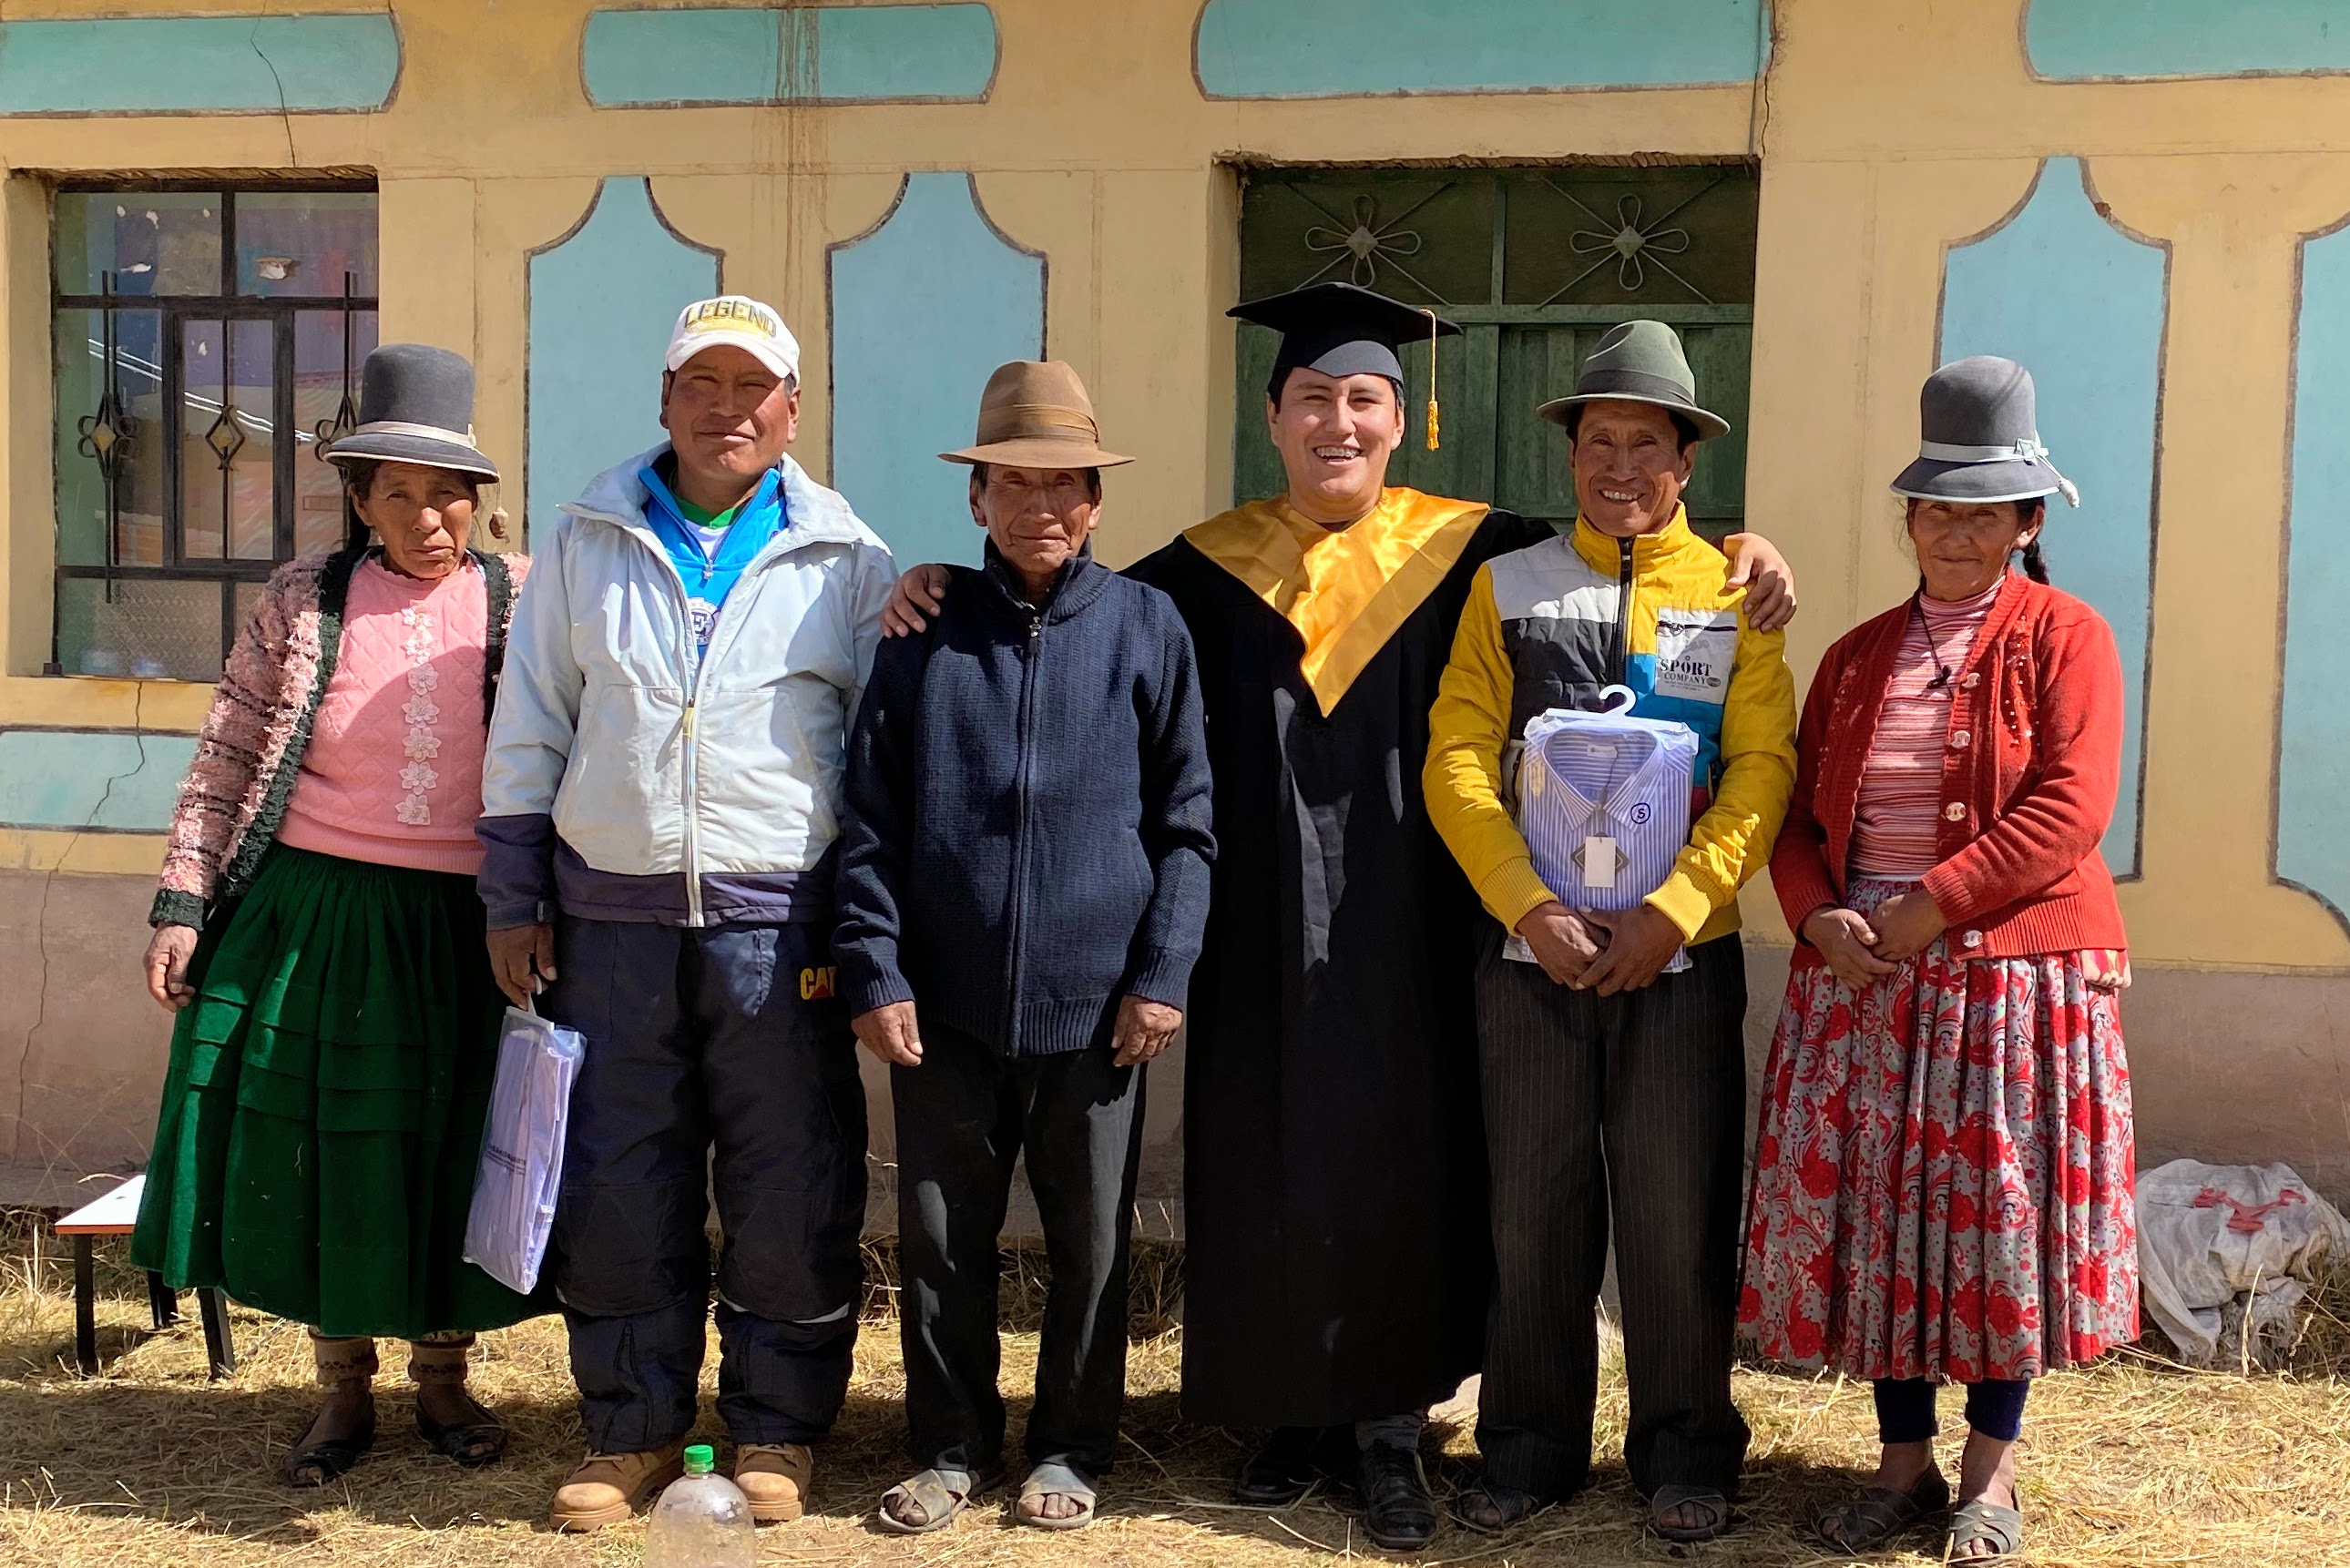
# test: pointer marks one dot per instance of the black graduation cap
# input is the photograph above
(1342, 330)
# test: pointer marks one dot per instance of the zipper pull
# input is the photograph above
(688, 721)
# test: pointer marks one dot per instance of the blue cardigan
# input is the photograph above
(1026, 839)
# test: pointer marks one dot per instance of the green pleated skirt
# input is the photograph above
(322, 1115)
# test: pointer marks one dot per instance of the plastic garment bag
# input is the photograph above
(521, 1149)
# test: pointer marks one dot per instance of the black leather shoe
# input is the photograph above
(1397, 1513)
(1282, 1472)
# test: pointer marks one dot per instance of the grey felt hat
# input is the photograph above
(1979, 437)
(416, 405)
(1639, 362)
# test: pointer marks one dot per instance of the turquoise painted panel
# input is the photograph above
(844, 54)
(82, 779)
(2313, 851)
(2095, 39)
(923, 309)
(166, 65)
(602, 302)
(1347, 48)
(2082, 306)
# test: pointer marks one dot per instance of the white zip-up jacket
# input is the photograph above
(631, 777)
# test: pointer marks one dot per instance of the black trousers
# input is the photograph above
(964, 1115)
(1628, 1108)
(717, 1062)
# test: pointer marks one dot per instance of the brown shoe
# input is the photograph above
(774, 1477)
(607, 1488)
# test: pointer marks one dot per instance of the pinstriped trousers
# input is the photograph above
(1629, 1108)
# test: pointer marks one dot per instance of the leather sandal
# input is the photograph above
(1055, 1477)
(1877, 1514)
(477, 1440)
(346, 1366)
(1490, 1508)
(1669, 1498)
(940, 1494)
(1980, 1521)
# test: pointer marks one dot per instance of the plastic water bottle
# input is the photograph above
(702, 1519)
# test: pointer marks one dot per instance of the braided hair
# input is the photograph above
(2028, 513)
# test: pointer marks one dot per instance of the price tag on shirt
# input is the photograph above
(1598, 859)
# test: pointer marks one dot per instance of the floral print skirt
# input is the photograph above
(1944, 1174)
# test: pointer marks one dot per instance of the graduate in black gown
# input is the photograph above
(1337, 1252)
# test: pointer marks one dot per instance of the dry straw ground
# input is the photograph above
(2134, 1461)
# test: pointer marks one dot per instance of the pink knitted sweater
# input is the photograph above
(249, 757)
(393, 772)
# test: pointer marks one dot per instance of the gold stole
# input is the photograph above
(1347, 590)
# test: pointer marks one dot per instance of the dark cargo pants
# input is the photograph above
(726, 1037)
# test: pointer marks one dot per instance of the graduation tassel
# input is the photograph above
(1435, 414)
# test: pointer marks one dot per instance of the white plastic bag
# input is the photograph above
(2225, 1252)
(521, 1171)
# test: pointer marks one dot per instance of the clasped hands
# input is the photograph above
(1604, 950)
(1144, 1029)
(1862, 950)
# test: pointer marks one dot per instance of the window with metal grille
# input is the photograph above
(208, 340)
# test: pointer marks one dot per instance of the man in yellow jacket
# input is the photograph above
(1609, 1083)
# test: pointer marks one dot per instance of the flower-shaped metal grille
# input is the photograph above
(106, 436)
(1631, 240)
(1367, 244)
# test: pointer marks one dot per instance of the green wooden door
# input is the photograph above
(1536, 265)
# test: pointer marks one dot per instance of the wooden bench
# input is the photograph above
(114, 1215)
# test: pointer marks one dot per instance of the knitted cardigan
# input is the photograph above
(250, 752)
(2029, 774)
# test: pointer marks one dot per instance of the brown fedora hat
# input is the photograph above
(1035, 414)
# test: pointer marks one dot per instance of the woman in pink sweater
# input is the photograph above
(319, 938)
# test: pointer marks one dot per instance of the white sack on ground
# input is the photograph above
(2222, 1246)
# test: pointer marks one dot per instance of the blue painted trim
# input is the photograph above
(199, 65)
(2083, 305)
(599, 303)
(921, 308)
(2143, 40)
(843, 54)
(90, 781)
(1351, 48)
(2312, 845)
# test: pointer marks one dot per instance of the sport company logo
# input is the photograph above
(1694, 653)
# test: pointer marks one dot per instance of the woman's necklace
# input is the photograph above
(1933, 650)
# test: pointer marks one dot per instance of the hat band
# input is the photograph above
(1011, 420)
(2027, 450)
(421, 432)
(1635, 384)
(2024, 451)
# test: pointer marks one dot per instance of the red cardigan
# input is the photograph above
(2028, 777)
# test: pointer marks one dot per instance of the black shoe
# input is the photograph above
(1282, 1472)
(1397, 1513)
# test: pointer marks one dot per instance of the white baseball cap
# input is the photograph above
(734, 320)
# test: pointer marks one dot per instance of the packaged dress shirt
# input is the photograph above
(1603, 803)
(521, 1149)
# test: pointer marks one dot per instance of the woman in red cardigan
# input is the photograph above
(1943, 1177)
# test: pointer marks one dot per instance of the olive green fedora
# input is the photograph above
(1639, 362)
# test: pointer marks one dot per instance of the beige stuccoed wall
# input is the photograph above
(1888, 133)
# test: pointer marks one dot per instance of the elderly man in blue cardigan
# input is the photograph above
(1023, 886)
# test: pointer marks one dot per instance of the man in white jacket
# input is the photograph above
(659, 807)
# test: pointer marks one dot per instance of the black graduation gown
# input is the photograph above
(1337, 1252)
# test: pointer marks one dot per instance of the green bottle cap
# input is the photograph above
(701, 1460)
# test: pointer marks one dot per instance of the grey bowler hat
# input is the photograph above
(416, 405)
(1639, 362)
(1979, 437)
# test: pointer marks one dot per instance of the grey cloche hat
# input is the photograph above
(1639, 362)
(1979, 437)
(416, 405)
